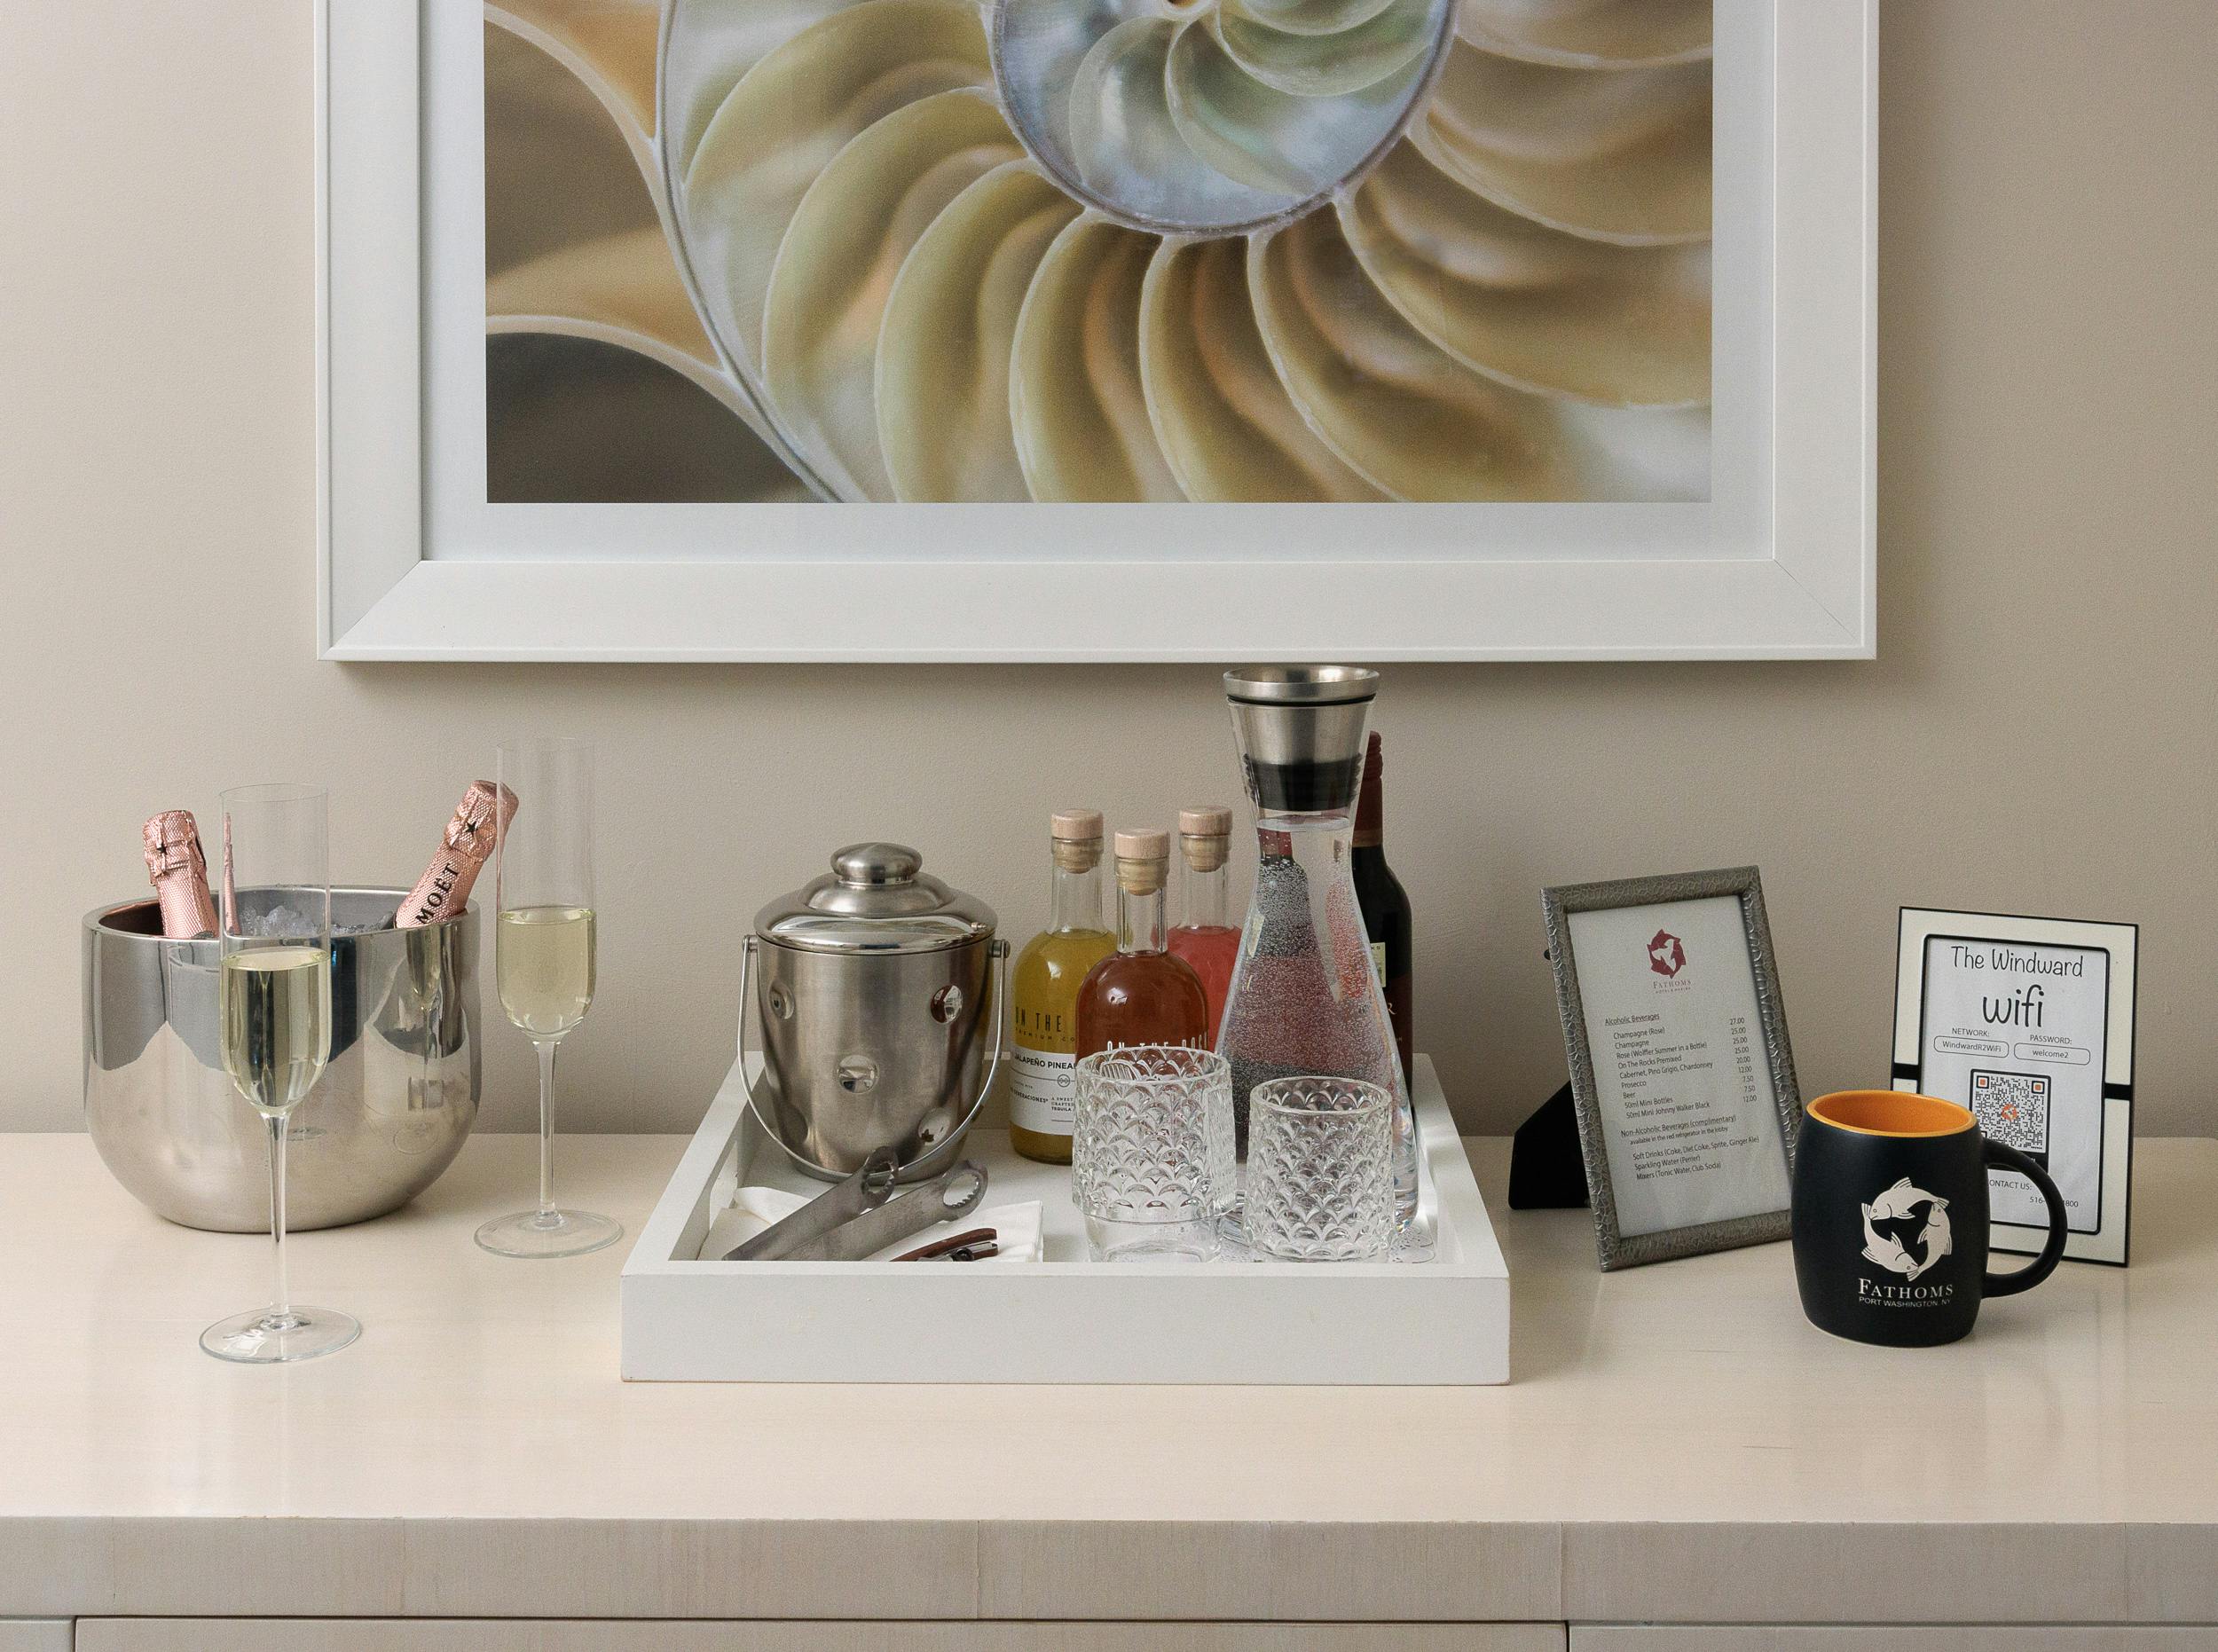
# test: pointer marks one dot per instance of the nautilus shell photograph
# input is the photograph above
(1097, 251)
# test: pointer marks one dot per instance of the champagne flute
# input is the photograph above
(544, 960)
(274, 999)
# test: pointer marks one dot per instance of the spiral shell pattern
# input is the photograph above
(1217, 250)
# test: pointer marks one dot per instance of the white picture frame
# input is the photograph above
(1799, 580)
(2100, 1227)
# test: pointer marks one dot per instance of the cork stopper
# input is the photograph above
(1076, 837)
(1205, 831)
(1143, 857)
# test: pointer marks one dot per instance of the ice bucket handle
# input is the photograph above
(999, 952)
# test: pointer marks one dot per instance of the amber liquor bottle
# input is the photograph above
(1141, 994)
(1385, 907)
(1044, 992)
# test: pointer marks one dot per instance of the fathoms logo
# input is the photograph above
(1892, 1217)
(1667, 954)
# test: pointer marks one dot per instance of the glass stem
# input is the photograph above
(281, 1291)
(545, 1047)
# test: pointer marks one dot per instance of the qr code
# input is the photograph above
(2013, 1109)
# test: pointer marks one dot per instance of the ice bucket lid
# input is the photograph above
(877, 898)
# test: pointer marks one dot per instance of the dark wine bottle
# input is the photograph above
(1386, 910)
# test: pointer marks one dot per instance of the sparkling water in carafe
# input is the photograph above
(1305, 996)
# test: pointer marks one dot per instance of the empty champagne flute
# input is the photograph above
(274, 999)
(542, 959)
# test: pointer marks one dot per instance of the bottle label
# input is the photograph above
(464, 848)
(1378, 960)
(1043, 1091)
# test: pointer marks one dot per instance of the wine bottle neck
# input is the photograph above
(1369, 802)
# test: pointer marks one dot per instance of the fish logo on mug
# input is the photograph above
(1893, 1217)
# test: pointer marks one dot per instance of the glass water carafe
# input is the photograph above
(1306, 998)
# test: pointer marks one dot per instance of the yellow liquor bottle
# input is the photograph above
(1043, 993)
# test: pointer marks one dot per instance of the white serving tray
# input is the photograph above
(1064, 1318)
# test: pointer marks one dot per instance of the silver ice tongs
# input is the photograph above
(858, 1218)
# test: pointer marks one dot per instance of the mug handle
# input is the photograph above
(2007, 1158)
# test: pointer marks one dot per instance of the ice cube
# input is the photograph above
(284, 923)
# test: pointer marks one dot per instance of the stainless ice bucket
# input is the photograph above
(392, 1109)
(871, 983)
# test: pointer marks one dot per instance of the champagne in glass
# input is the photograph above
(276, 1010)
(546, 967)
(274, 999)
(543, 960)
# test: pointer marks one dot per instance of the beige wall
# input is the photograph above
(2038, 733)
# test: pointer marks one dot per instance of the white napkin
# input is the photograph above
(1016, 1228)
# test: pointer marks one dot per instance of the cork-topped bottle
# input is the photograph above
(1044, 992)
(1142, 994)
(1206, 937)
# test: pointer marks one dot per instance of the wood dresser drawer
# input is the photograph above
(399, 1634)
(1891, 1637)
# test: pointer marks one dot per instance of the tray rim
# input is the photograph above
(1443, 1322)
(1447, 1177)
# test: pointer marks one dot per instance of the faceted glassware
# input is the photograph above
(1320, 1183)
(1151, 1153)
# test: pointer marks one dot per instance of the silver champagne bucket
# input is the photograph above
(393, 1107)
(872, 987)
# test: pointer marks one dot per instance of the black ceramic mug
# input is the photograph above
(1891, 1218)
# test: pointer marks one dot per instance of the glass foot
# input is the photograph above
(548, 1233)
(262, 1338)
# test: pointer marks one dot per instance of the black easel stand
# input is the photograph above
(1547, 1171)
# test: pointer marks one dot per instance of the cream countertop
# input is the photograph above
(1676, 1442)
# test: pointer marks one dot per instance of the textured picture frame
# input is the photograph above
(1616, 1248)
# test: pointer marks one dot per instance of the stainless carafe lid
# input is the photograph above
(876, 899)
(1300, 729)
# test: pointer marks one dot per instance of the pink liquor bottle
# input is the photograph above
(1139, 994)
(1204, 936)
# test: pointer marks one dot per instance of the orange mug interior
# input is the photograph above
(1890, 1112)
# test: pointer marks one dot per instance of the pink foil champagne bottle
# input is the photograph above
(178, 866)
(178, 870)
(465, 847)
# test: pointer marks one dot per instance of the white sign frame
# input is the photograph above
(2110, 1241)
(1805, 587)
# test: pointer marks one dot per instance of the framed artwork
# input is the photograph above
(2029, 1022)
(1682, 1078)
(1025, 329)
